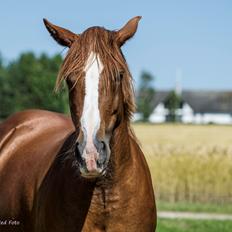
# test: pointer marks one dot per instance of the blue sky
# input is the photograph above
(194, 36)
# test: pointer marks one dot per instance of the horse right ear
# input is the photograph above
(128, 30)
(62, 36)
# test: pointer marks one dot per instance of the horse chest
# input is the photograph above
(105, 201)
(105, 204)
(110, 210)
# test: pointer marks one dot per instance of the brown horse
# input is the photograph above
(86, 173)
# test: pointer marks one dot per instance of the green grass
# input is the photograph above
(179, 225)
(194, 207)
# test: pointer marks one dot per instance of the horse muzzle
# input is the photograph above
(92, 157)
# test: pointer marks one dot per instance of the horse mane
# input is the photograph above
(102, 42)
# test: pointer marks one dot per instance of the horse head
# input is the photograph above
(100, 89)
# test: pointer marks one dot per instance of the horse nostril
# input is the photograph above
(101, 146)
(78, 154)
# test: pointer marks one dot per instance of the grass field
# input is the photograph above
(191, 165)
(193, 226)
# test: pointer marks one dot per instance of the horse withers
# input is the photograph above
(84, 173)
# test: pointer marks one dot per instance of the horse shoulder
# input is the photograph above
(29, 142)
(144, 185)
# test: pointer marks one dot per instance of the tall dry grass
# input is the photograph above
(189, 163)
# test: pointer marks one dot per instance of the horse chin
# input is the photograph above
(92, 175)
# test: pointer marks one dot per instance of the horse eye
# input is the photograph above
(121, 75)
(114, 112)
(71, 79)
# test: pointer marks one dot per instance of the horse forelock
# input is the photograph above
(103, 43)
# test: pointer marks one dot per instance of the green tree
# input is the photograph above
(145, 95)
(4, 93)
(173, 102)
(29, 82)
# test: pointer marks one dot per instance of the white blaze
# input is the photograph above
(90, 119)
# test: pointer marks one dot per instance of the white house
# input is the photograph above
(159, 114)
(197, 107)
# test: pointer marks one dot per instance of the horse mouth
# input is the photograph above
(90, 168)
(98, 173)
(93, 175)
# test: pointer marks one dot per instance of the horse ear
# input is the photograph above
(62, 36)
(128, 30)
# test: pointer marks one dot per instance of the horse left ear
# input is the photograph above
(128, 30)
(62, 36)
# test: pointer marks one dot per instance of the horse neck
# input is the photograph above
(120, 148)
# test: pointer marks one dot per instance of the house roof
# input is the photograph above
(160, 96)
(202, 101)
